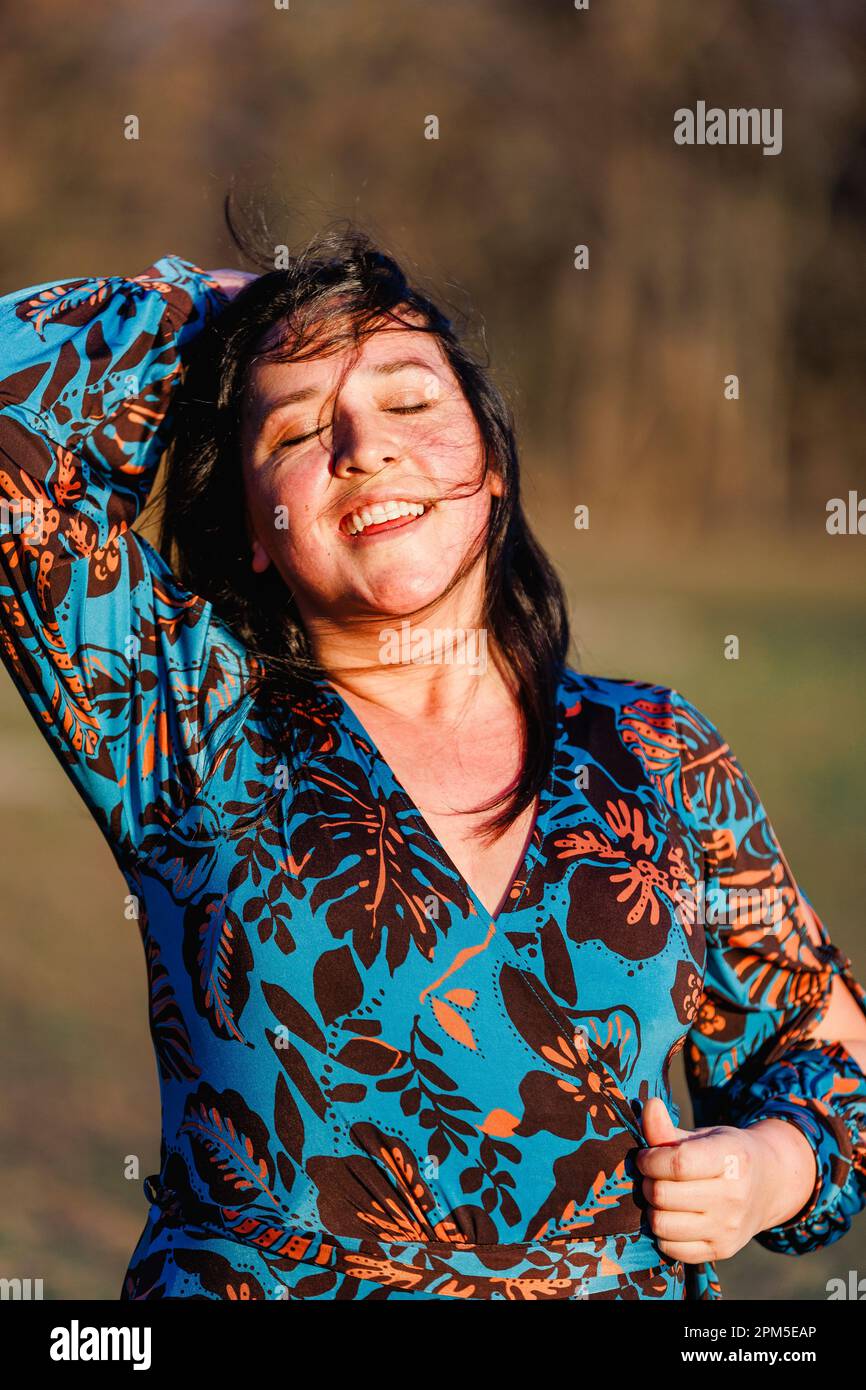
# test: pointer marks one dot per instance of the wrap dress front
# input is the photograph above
(370, 1087)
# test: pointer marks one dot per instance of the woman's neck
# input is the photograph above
(437, 663)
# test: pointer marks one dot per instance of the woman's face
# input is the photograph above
(321, 457)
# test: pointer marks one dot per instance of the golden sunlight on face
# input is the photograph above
(361, 473)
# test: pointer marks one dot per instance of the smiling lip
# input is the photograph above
(381, 524)
(382, 529)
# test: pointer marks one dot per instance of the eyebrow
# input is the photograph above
(305, 393)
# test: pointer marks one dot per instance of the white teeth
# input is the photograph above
(382, 511)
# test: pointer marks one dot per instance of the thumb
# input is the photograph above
(658, 1127)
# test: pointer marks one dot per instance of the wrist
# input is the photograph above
(231, 282)
(789, 1170)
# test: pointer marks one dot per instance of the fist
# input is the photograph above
(706, 1189)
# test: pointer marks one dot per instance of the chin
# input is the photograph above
(398, 597)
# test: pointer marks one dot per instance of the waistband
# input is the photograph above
(559, 1267)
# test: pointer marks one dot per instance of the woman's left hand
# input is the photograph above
(709, 1191)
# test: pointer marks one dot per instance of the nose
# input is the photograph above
(363, 443)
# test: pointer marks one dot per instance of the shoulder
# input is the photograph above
(635, 696)
(675, 741)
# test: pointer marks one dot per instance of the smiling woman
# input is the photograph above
(378, 477)
(406, 1047)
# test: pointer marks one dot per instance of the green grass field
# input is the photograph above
(79, 1099)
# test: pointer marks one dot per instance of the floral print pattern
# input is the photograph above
(371, 1088)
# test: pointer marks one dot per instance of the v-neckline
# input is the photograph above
(530, 857)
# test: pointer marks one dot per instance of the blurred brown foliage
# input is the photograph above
(556, 129)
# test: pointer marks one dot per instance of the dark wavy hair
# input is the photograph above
(333, 293)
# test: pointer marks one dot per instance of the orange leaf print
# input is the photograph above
(455, 1026)
(499, 1123)
(464, 998)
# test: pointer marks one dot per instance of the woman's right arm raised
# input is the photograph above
(121, 668)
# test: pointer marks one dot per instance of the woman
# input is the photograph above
(424, 932)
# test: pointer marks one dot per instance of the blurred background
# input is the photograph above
(707, 515)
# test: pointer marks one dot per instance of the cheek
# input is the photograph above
(453, 448)
(280, 506)
(475, 514)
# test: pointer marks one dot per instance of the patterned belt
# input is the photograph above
(559, 1267)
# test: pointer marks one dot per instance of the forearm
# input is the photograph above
(857, 1049)
(819, 1088)
(790, 1169)
(89, 368)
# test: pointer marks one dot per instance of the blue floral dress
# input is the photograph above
(370, 1087)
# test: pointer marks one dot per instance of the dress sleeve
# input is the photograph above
(122, 669)
(769, 970)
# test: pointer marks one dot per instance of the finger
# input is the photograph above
(699, 1194)
(679, 1225)
(704, 1157)
(688, 1252)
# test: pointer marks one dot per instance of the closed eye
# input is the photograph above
(298, 439)
(391, 410)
